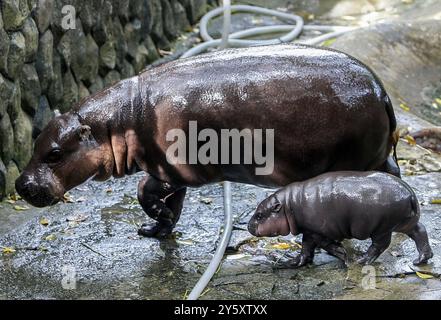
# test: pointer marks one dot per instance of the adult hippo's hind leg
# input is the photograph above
(419, 235)
(163, 203)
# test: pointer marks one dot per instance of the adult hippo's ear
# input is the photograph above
(84, 132)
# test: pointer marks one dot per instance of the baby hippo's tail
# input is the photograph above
(415, 205)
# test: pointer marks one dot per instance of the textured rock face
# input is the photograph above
(51, 57)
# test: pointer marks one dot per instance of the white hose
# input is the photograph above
(235, 40)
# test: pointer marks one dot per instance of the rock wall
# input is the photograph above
(44, 65)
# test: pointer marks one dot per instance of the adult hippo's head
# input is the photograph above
(66, 154)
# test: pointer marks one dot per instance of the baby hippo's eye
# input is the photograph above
(54, 155)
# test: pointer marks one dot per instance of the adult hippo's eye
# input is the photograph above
(54, 156)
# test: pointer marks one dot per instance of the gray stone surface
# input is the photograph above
(22, 140)
(2, 179)
(12, 173)
(30, 89)
(111, 78)
(108, 55)
(14, 13)
(44, 63)
(17, 54)
(56, 91)
(30, 33)
(42, 117)
(4, 51)
(6, 138)
(70, 92)
(43, 14)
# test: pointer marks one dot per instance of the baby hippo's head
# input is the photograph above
(269, 220)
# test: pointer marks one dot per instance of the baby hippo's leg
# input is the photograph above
(163, 203)
(307, 253)
(419, 235)
(334, 248)
(379, 244)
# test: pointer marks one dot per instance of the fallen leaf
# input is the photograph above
(396, 254)
(109, 190)
(44, 221)
(50, 237)
(81, 199)
(14, 197)
(187, 242)
(67, 198)
(438, 100)
(206, 200)
(20, 208)
(404, 107)
(10, 201)
(236, 256)
(328, 42)
(435, 201)
(281, 246)
(80, 217)
(8, 250)
(410, 140)
(423, 275)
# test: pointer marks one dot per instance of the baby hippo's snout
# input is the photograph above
(269, 220)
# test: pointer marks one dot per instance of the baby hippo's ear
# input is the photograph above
(276, 206)
(84, 132)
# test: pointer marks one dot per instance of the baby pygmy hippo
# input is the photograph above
(343, 205)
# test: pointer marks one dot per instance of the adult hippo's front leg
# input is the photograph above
(163, 203)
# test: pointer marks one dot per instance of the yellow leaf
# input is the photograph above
(438, 100)
(410, 140)
(10, 201)
(424, 275)
(435, 201)
(328, 42)
(404, 107)
(50, 237)
(67, 198)
(8, 250)
(44, 221)
(20, 208)
(281, 246)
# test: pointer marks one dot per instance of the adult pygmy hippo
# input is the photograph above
(343, 205)
(328, 112)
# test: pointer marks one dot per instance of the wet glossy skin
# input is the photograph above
(344, 205)
(328, 111)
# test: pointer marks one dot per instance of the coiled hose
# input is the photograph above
(236, 40)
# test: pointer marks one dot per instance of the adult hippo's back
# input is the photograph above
(327, 110)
